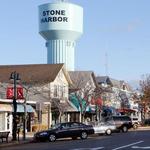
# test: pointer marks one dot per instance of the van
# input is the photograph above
(123, 122)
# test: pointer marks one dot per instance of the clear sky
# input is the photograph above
(116, 33)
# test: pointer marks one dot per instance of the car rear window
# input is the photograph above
(135, 119)
(121, 118)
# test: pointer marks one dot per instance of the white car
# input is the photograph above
(135, 122)
(104, 128)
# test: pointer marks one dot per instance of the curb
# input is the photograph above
(143, 128)
(140, 129)
(15, 143)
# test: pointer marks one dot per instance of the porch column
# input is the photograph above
(49, 116)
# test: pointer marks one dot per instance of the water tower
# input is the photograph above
(61, 24)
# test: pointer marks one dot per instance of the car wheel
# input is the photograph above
(135, 126)
(52, 138)
(84, 135)
(108, 132)
(124, 129)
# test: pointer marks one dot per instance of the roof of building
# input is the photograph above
(34, 73)
(103, 79)
(115, 83)
(81, 78)
(119, 84)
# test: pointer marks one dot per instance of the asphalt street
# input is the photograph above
(117, 141)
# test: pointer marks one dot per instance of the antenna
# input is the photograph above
(106, 64)
(62, 0)
(106, 59)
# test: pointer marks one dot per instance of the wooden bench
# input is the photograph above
(4, 135)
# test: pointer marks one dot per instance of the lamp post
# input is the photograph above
(15, 77)
(25, 120)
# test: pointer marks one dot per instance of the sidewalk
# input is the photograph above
(29, 138)
(143, 128)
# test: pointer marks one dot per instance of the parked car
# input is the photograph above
(147, 122)
(104, 128)
(123, 122)
(64, 130)
(135, 122)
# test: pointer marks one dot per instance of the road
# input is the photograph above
(117, 141)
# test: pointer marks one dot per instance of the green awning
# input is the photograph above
(75, 102)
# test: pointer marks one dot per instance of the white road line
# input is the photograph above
(94, 148)
(138, 147)
(128, 145)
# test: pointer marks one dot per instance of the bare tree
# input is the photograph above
(85, 90)
(145, 96)
(84, 96)
(145, 88)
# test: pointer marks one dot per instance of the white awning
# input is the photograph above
(20, 108)
(29, 108)
(6, 108)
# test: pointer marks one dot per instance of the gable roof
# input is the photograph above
(115, 83)
(81, 78)
(119, 84)
(35, 73)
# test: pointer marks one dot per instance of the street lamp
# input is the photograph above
(15, 77)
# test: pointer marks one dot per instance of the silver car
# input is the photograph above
(104, 128)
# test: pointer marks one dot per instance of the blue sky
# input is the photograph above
(118, 28)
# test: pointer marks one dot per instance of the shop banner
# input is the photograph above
(9, 93)
(20, 93)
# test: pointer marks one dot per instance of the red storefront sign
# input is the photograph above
(10, 93)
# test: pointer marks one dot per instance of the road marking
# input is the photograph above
(128, 145)
(94, 148)
(138, 147)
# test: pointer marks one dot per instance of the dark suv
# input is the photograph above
(123, 123)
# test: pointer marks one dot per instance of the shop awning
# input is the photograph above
(107, 109)
(29, 108)
(98, 101)
(6, 108)
(125, 110)
(74, 100)
(20, 108)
